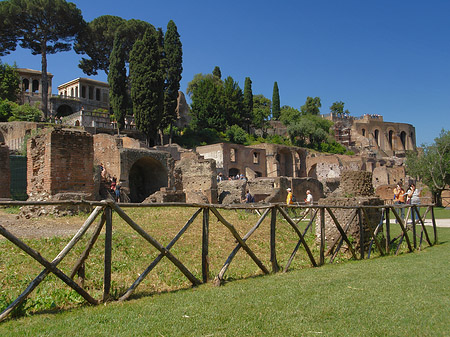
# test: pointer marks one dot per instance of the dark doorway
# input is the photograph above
(63, 111)
(233, 172)
(147, 176)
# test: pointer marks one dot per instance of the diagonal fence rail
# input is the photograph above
(281, 215)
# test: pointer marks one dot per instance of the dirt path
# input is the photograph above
(39, 227)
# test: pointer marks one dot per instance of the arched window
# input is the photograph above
(363, 131)
(35, 86)
(25, 84)
(71, 92)
(376, 135)
(76, 91)
(403, 139)
(83, 91)
(233, 155)
(391, 134)
(97, 94)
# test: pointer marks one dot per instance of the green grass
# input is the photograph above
(302, 298)
(392, 296)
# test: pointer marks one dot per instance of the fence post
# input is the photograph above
(388, 230)
(205, 245)
(433, 219)
(413, 222)
(322, 236)
(361, 233)
(273, 251)
(108, 248)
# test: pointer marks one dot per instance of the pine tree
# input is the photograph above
(247, 104)
(147, 85)
(173, 53)
(275, 102)
(117, 80)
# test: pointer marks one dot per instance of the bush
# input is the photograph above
(236, 134)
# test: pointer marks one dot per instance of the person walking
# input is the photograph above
(289, 197)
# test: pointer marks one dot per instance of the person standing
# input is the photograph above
(289, 197)
(309, 198)
(415, 199)
(399, 198)
(117, 191)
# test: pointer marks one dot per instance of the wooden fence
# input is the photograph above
(278, 213)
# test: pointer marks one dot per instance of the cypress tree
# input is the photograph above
(248, 104)
(217, 73)
(275, 102)
(147, 85)
(173, 53)
(117, 80)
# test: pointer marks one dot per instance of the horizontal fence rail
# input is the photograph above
(280, 215)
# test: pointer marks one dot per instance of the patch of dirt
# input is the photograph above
(41, 227)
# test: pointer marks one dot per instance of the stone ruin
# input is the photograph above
(60, 167)
(355, 189)
(5, 172)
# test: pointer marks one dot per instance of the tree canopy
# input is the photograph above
(312, 106)
(261, 112)
(43, 26)
(338, 109)
(9, 82)
(96, 41)
(432, 166)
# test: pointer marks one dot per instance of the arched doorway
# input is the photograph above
(376, 135)
(147, 176)
(285, 160)
(64, 110)
(233, 172)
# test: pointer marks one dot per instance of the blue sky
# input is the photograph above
(379, 57)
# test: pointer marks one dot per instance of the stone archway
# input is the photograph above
(146, 176)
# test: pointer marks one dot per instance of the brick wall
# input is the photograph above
(5, 174)
(60, 161)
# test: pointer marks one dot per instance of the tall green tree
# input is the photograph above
(147, 85)
(247, 104)
(232, 102)
(96, 41)
(9, 82)
(117, 80)
(261, 112)
(173, 53)
(275, 102)
(207, 107)
(43, 26)
(311, 107)
(433, 165)
(217, 73)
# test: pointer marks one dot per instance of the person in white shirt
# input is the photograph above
(309, 198)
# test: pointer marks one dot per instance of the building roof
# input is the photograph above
(32, 71)
(83, 80)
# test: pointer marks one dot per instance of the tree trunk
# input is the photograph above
(44, 78)
(437, 198)
(170, 133)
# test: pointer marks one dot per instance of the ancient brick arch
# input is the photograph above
(62, 107)
(64, 110)
(146, 176)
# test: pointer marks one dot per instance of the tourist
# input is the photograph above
(248, 198)
(113, 185)
(289, 197)
(399, 198)
(309, 198)
(415, 199)
(117, 191)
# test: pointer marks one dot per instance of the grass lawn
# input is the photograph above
(407, 295)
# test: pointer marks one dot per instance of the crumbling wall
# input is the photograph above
(5, 173)
(60, 161)
(355, 189)
(198, 178)
(231, 191)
